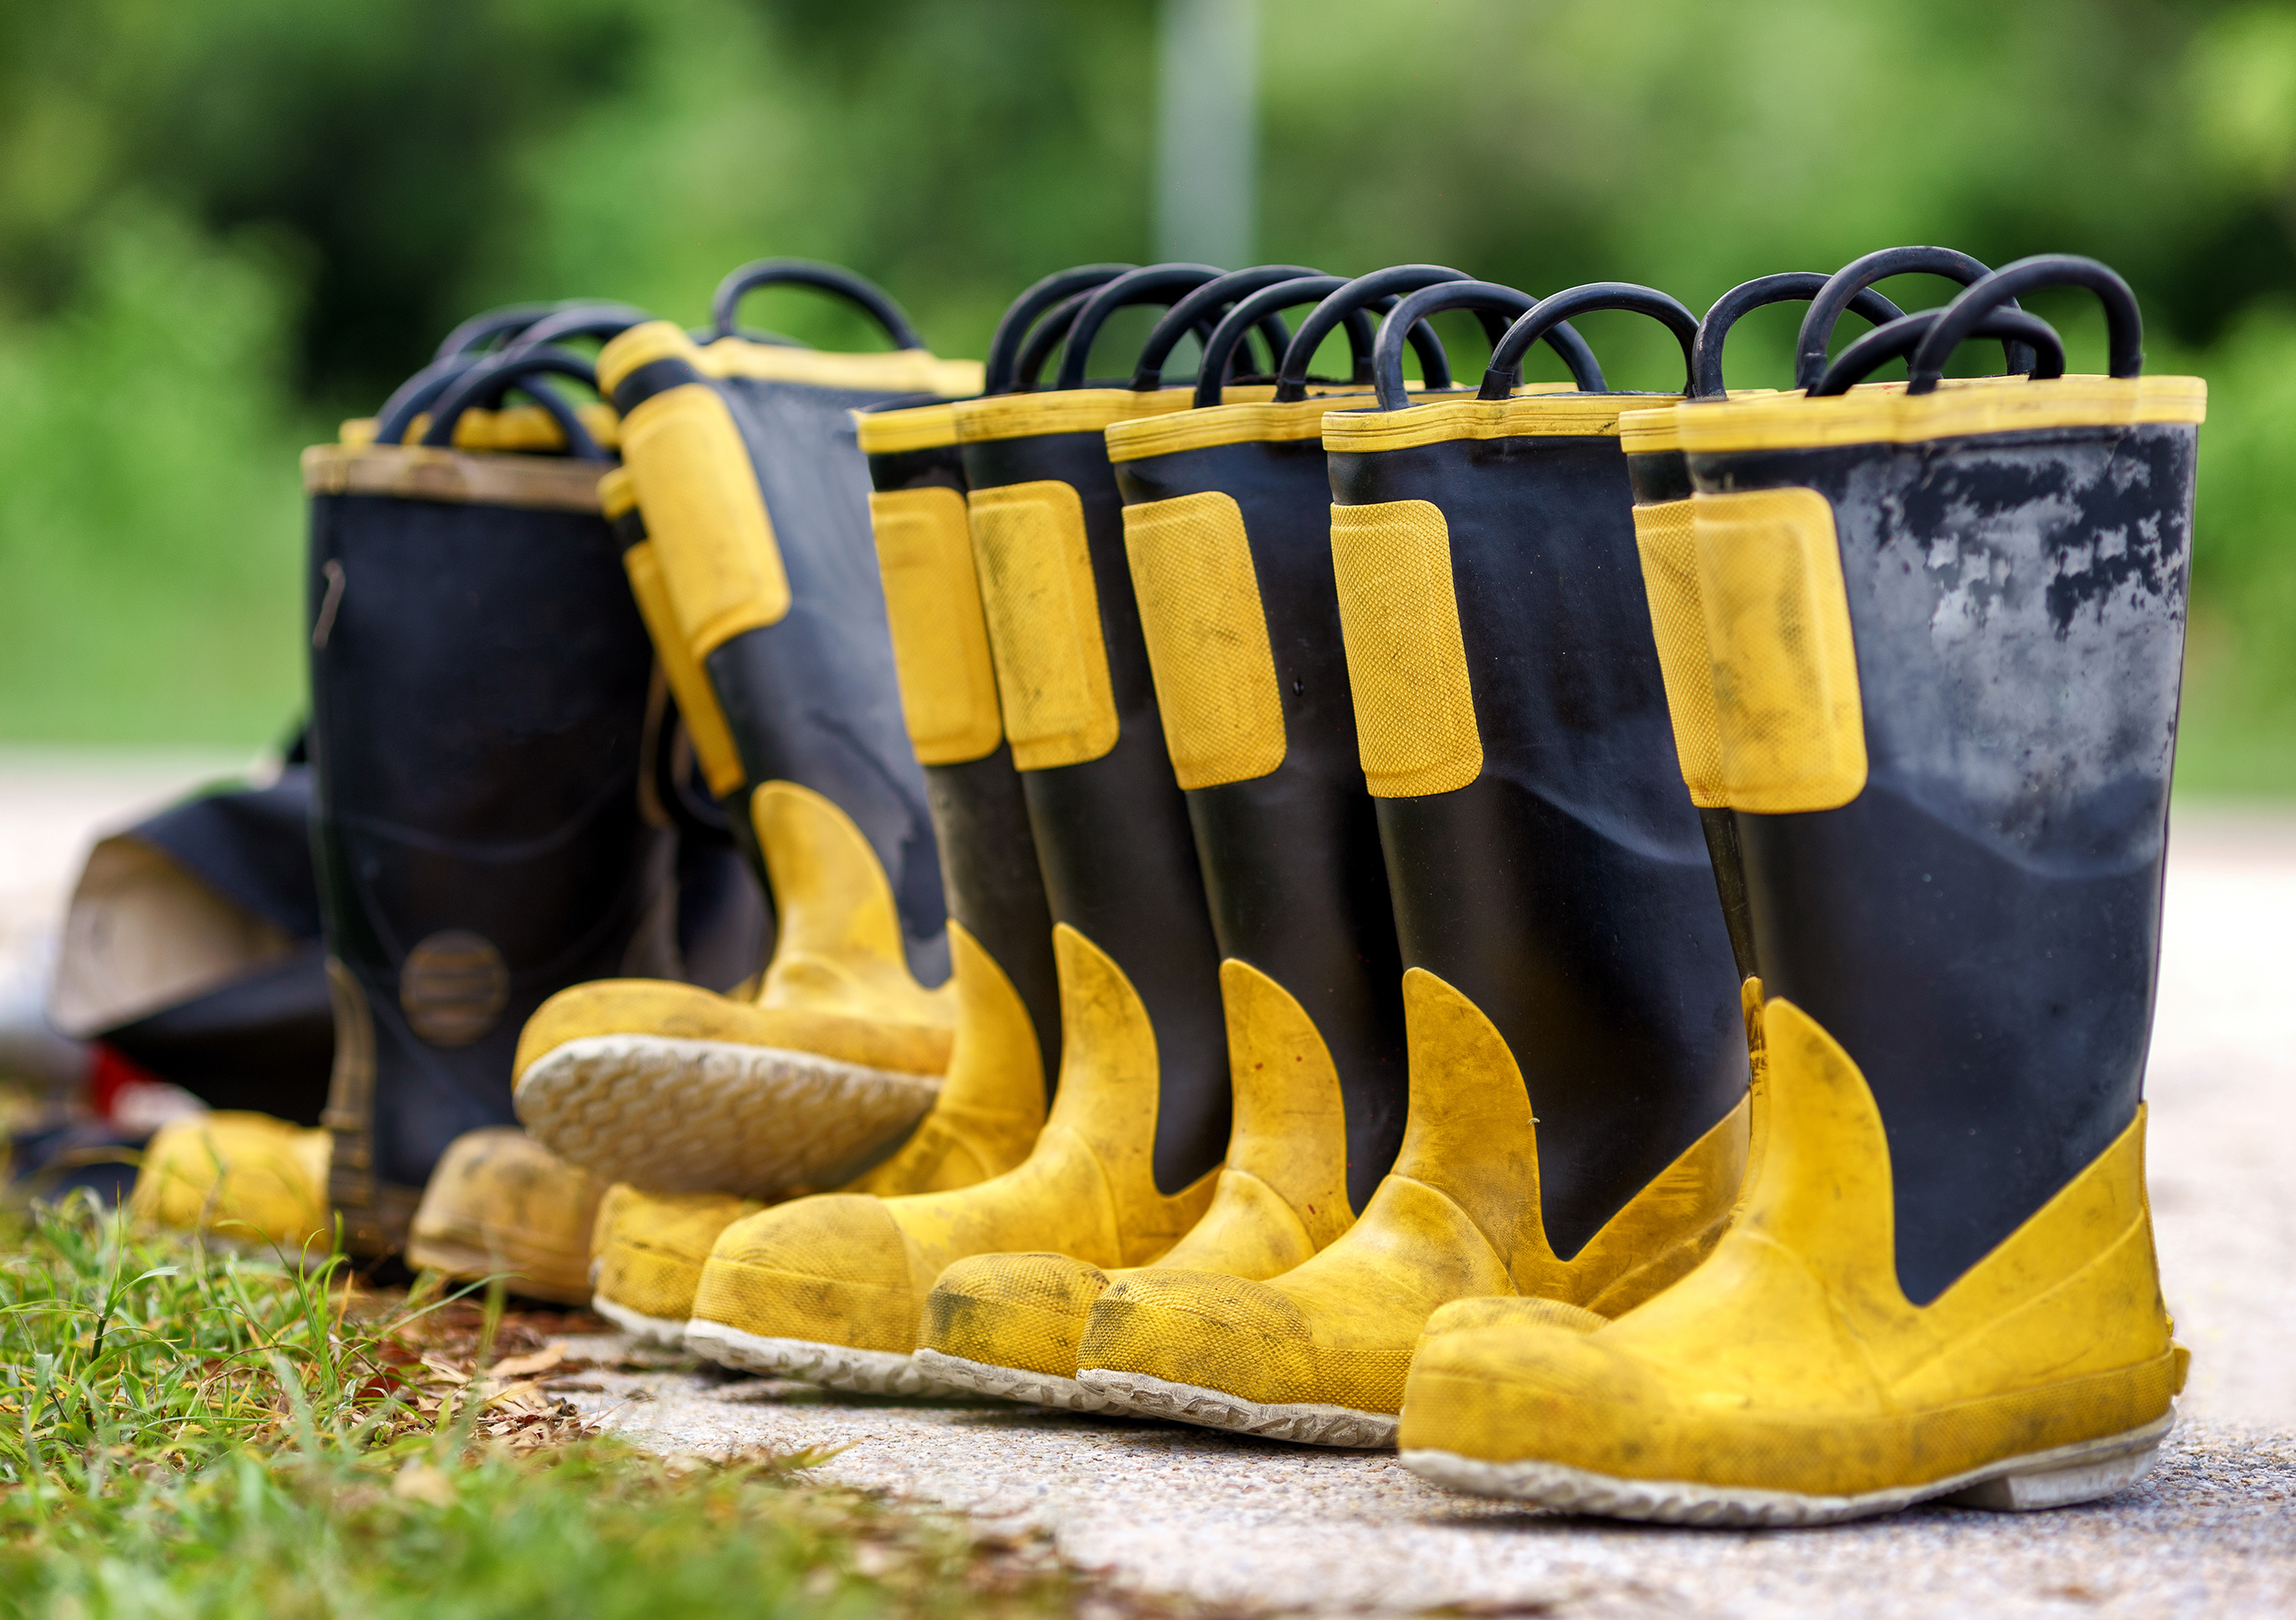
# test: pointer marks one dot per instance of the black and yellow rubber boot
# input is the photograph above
(830, 1289)
(651, 1248)
(479, 685)
(1947, 630)
(1565, 955)
(754, 501)
(1226, 528)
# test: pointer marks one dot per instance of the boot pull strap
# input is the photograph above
(873, 299)
(604, 321)
(1786, 286)
(2124, 323)
(1377, 288)
(1149, 284)
(1012, 326)
(1490, 302)
(1210, 301)
(490, 378)
(1899, 337)
(1826, 309)
(482, 329)
(1506, 368)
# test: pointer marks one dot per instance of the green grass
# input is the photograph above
(187, 1432)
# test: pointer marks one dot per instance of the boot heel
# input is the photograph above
(2077, 1474)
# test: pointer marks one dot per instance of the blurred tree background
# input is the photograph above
(225, 226)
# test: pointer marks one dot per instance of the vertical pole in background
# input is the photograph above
(1207, 96)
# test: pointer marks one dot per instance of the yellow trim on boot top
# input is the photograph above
(1789, 1380)
(1010, 1324)
(851, 1273)
(1319, 1353)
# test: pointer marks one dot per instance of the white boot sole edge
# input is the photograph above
(646, 1329)
(1303, 1423)
(1009, 1383)
(812, 1361)
(679, 1115)
(2056, 1478)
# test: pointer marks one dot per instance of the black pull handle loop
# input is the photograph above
(482, 329)
(1364, 293)
(1149, 284)
(1902, 337)
(1012, 326)
(492, 377)
(2124, 323)
(1044, 337)
(873, 300)
(1211, 377)
(417, 394)
(582, 321)
(1485, 299)
(1826, 309)
(1209, 301)
(1784, 287)
(1506, 368)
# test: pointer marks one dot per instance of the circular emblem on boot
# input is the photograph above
(454, 986)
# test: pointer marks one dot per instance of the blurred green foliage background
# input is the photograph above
(225, 226)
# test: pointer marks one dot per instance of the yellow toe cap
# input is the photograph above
(685, 1012)
(832, 1269)
(1024, 1310)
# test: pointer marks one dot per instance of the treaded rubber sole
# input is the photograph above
(1301, 1423)
(812, 1361)
(646, 1329)
(2017, 1485)
(1009, 1383)
(671, 1114)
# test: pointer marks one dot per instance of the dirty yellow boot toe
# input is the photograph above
(835, 1268)
(1008, 1325)
(244, 1178)
(500, 1203)
(646, 1253)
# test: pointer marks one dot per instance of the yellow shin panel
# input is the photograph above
(1458, 1219)
(697, 700)
(1406, 656)
(1792, 1362)
(948, 682)
(1282, 1196)
(1207, 637)
(1789, 718)
(708, 520)
(1663, 535)
(838, 949)
(852, 1270)
(1035, 566)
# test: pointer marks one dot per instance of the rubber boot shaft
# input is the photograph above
(1113, 833)
(478, 681)
(1979, 927)
(1565, 889)
(1291, 857)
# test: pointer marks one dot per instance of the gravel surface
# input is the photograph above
(1240, 1524)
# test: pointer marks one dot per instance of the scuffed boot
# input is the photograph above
(753, 503)
(1946, 634)
(1227, 529)
(830, 1289)
(501, 1204)
(1564, 954)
